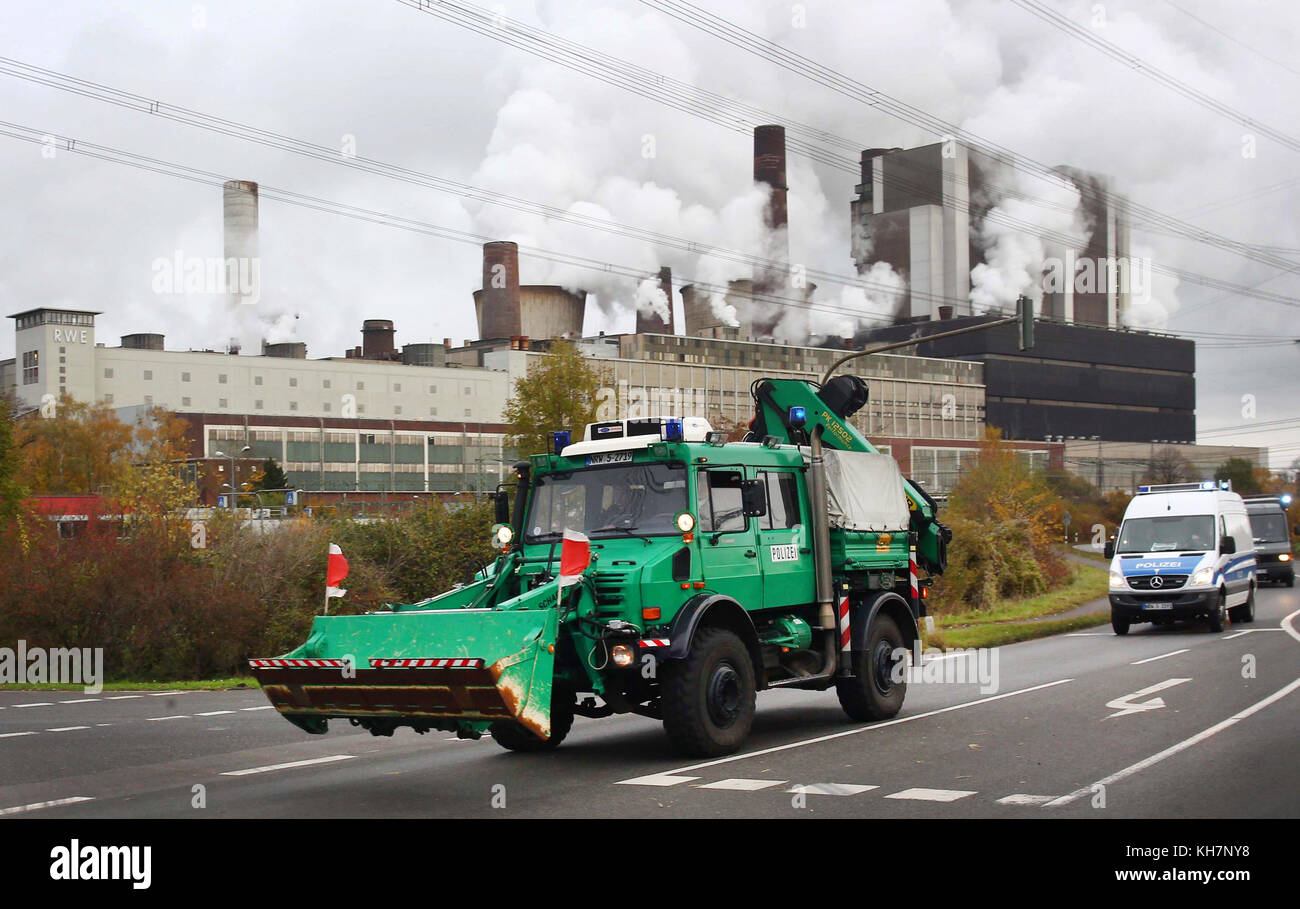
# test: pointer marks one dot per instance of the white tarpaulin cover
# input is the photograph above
(864, 491)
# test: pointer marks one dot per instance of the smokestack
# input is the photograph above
(499, 313)
(769, 169)
(650, 322)
(377, 339)
(239, 230)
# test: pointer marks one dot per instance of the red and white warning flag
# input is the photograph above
(335, 572)
(575, 556)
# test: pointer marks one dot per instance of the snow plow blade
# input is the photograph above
(457, 670)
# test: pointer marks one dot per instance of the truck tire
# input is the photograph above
(1219, 617)
(1246, 611)
(708, 698)
(510, 735)
(872, 693)
(1118, 624)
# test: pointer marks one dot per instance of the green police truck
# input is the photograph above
(717, 569)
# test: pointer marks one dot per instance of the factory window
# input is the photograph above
(325, 407)
(361, 386)
(63, 359)
(467, 411)
(325, 384)
(293, 405)
(433, 411)
(257, 405)
(221, 402)
(433, 389)
(257, 380)
(185, 377)
(63, 350)
(367, 438)
(108, 373)
(148, 399)
(148, 375)
(397, 408)
(108, 399)
(361, 408)
(63, 370)
(293, 382)
(185, 402)
(31, 367)
(221, 379)
(469, 389)
(397, 386)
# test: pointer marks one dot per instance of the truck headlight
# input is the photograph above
(623, 655)
(1117, 580)
(1202, 577)
(1284, 557)
(685, 521)
(502, 535)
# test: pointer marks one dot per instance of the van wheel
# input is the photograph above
(514, 737)
(1118, 624)
(708, 698)
(1246, 611)
(1219, 617)
(873, 693)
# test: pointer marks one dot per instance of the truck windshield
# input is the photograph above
(1189, 532)
(1268, 527)
(637, 500)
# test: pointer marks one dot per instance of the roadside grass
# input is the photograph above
(1024, 619)
(1095, 555)
(200, 685)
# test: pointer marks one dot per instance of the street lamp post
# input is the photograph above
(234, 494)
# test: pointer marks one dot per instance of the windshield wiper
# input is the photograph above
(627, 530)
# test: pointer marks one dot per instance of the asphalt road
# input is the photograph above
(1070, 730)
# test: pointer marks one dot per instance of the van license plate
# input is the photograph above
(1157, 605)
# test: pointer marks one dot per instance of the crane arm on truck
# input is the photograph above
(792, 409)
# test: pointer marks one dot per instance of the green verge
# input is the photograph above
(1009, 633)
(200, 685)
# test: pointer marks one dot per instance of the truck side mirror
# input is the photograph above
(501, 500)
(1109, 550)
(1227, 545)
(753, 498)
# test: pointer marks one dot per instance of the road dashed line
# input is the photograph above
(1160, 657)
(54, 803)
(922, 794)
(291, 764)
(831, 789)
(742, 785)
(66, 728)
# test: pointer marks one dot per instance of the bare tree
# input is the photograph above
(1167, 465)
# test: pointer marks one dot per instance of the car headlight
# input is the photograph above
(1117, 579)
(1202, 577)
(1284, 557)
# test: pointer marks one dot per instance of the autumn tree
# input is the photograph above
(78, 448)
(560, 391)
(11, 489)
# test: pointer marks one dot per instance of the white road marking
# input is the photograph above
(165, 694)
(103, 724)
(742, 785)
(215, 713)
(66, 728)
(51, 804)
(268, 768)
(837, 735)
(932, 795)
(1126, 705)
(1088, 634)
(1290, 628)
(14, 735)
(656, 779)
(1021, 799)
(1175, 749)
(80, 701)
(37, 704)
(1250, 631)
(267, 707)
(831, 789)
(1161, 657)
(159, 719)
(124, 697)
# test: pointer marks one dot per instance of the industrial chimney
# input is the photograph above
(769, 169)
(239, 231)
(377, 339)
(497, 304)
(649, 322)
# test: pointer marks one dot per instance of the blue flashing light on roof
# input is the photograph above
(672, 430)
(1286, 499)
(560, 440)
(1208, 484)
(798, 417)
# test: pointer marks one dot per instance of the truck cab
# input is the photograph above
(1183, 551)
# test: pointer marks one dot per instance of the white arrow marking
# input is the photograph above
(1126, 705)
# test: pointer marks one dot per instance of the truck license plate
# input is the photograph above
(611, 457)
(1157, 605)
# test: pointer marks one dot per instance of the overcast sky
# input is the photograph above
(409, 89)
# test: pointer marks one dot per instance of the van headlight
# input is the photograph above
(1117, 580)
(1203, 577)
(1284, 557)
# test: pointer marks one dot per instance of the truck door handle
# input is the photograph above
(750, 554)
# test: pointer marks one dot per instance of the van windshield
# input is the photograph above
(1188, 532)
(627, 500)
(1268, 527)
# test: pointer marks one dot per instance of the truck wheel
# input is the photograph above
(1246, 611)
(708, 698)
(873, 693)
(509, 734)
(1118, 623)
(1219, 617)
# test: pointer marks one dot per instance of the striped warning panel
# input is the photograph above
(448, 663)
(297, 664)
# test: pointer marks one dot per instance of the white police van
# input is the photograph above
(1185, 550)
